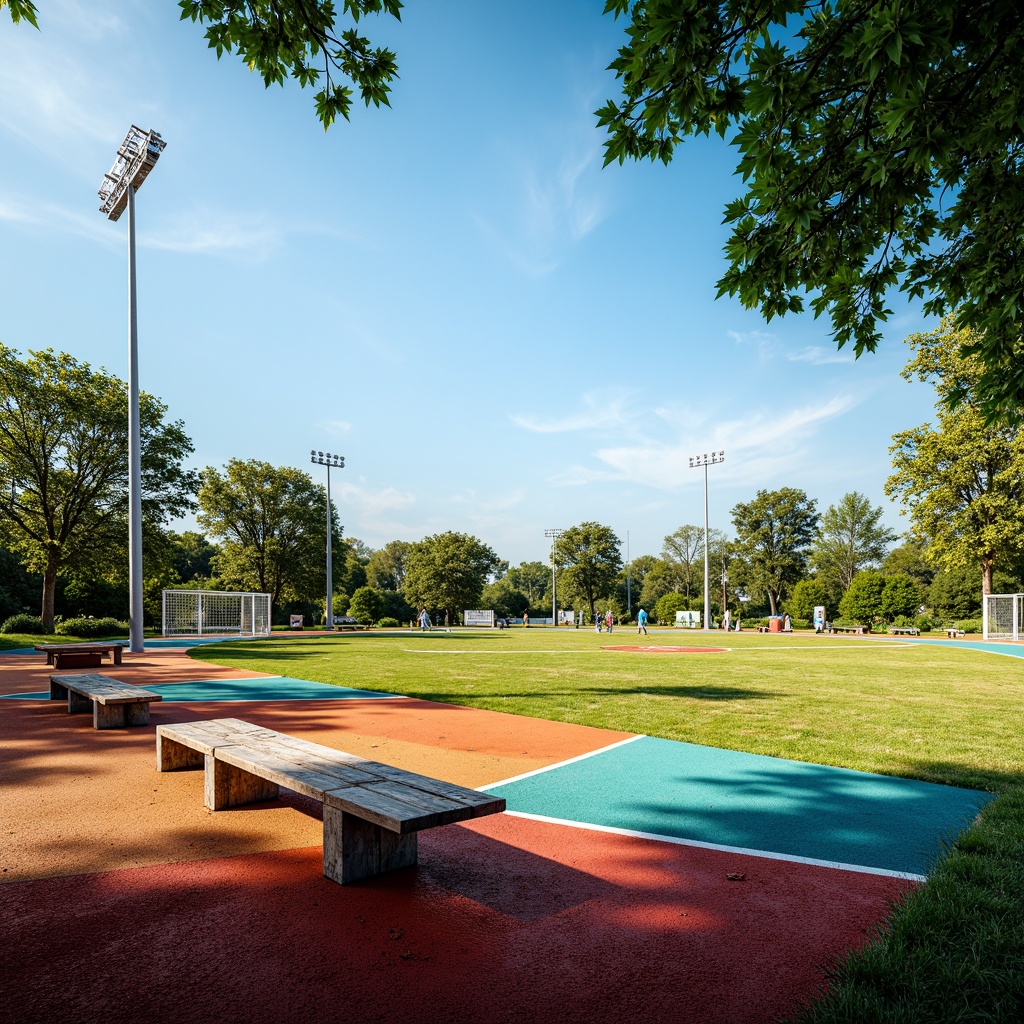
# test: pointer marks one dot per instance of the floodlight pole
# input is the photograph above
(338, 461)
(136, 157)
(629, 602)
(134, 448)
(554, 534)
(706, 460)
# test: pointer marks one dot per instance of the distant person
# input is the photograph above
(424, 619)
(726, 620)
(641, 622)
(608, 620)
(526, 620)
(597, 622)
(787, 624)
(737, 623)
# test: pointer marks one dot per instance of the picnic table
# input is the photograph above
(113, 703)
(83, 655)
(372, 811)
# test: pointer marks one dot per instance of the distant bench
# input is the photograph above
(113, 704)
(953, 633)
(849, 629)
(372, 811)
(80, 655)
(904, 630)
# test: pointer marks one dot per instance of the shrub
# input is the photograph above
(89, 628)
(863, 601)
(800, 623)
(970, 625)
(924, 623)
(388, 623)
(668, 604)
(365, 606)
(23, 624)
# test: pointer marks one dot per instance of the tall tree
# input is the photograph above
(447, 572)
(386, 568)
(910, 558)
(589, 557)
(533, 579)
(64, 457)
(773, 534)
(271, 524)
(684, 550)
(961, 482)
(880, 148)
(851, 538)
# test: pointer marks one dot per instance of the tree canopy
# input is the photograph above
(962, 481)
(773, 533)
(590, 558)
(880, 145)
(448, 572)
(64, 455)
(851, 538)
(272, 525)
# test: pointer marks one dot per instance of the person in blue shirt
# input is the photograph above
(641, 622)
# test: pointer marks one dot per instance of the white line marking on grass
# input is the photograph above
(410, 650)
(560, 764)
(742, 851)
(876, 645)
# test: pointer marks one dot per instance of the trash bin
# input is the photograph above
(775, 624)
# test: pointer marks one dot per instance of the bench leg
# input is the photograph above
(228, 786)
(58, 692)
(356, 849)
(117, 655)
(171, 755)
(136, 714)
(77, 704)
(108, 716)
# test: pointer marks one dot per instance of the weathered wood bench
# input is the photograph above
(372, 811)
(849, 629)
(953, 633)
(904, 631)
(113, 704)
(84, 655)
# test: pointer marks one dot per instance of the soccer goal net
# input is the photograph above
(1003, 616)
(199, 612)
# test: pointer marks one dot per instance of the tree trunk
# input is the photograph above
(773, 600)
(50, 587)
(986, 576)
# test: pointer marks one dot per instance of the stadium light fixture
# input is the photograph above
(554, 534)
(136, 157)
(338, 462)
(696, 461)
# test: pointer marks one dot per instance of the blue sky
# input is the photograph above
(498, 334)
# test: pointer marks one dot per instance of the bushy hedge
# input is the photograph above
(969, 625)
(89, 628)
(23, 624)
(388, 623)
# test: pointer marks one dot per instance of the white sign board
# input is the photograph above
(688, 619)
(478, 618)
(566, 617)
(819, 616)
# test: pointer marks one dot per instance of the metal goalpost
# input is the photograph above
(1003, 617)
(204, 612)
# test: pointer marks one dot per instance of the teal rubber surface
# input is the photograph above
(728, 798)
(268, 688)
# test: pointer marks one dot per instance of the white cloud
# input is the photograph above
(369, 504)
(758, 447)
(336, 428)
(817, 355)
(215, 233)
(599, 414)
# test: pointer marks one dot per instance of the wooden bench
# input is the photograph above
(113, 704)
(80, 655)
(372, 811)
(904, 631)
(849, 629)
(953, 633)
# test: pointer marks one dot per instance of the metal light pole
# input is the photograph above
(629, 601)
(338, 461)
(136, 157)
(554, 534)
(706, 460)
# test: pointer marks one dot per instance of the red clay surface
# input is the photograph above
(656, 649)
(125, 900)
(504, 920)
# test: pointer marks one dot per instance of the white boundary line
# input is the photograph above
(560, 764)
(764, 854)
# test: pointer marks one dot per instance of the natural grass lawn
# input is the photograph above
(951, 952)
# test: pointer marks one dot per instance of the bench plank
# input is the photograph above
(114, 704)
(372, 811)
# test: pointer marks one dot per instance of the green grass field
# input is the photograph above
(951, 952)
